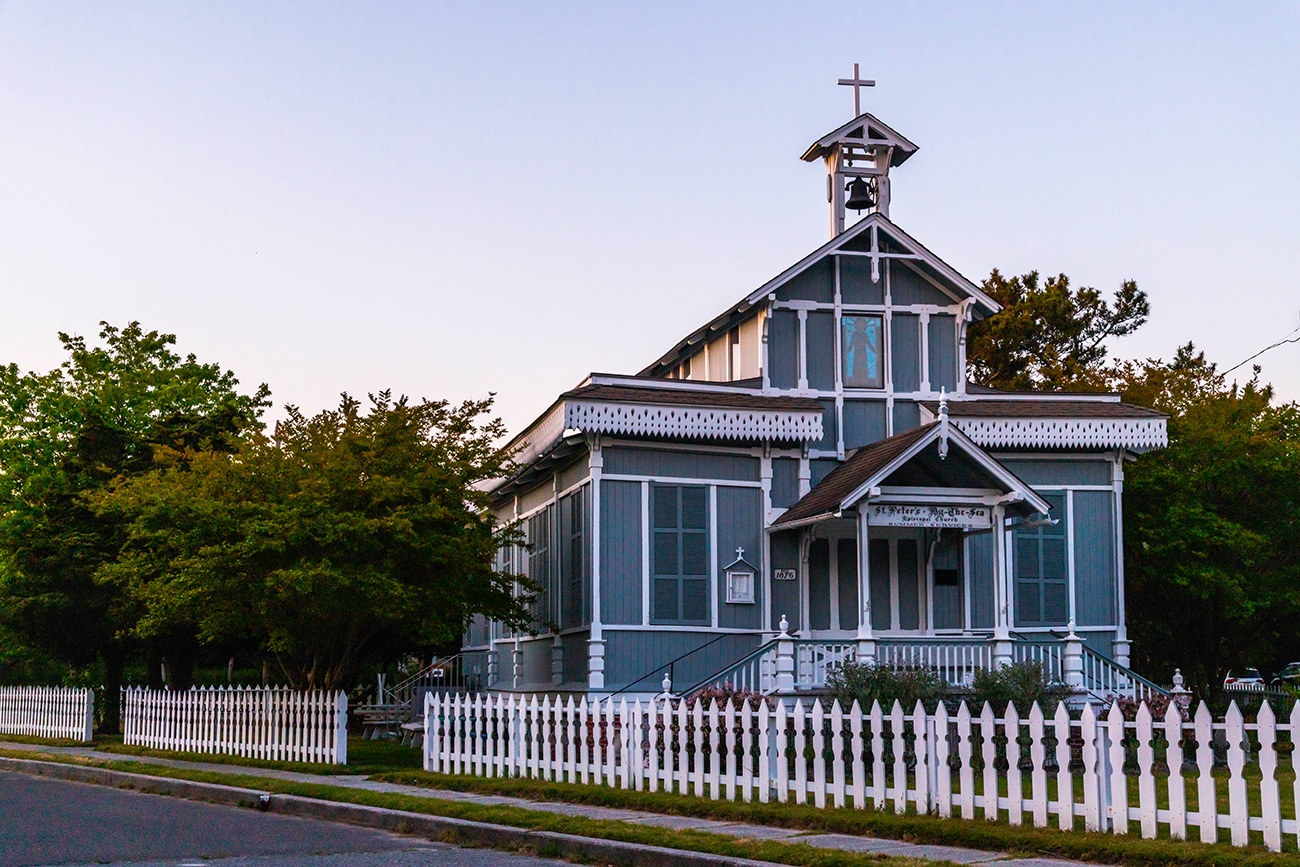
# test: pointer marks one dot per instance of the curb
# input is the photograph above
(442, 828)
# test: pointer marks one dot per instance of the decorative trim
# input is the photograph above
(1137, 435)
(692, 422)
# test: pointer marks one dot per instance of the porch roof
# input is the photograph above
(868, 466)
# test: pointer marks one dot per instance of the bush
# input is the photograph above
(1021, 684)
(725, 694)
(864, 683)
(1157, 706)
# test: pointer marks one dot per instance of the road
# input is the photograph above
(49, 822)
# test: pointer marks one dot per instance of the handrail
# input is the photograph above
(394, 694)
(1124, 670)
(759, 653)
(668, 665)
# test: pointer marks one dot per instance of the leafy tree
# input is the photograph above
(1212, 523)
(1049, 336)
(344, 539)
(69, 433)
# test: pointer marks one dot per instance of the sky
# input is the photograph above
(448, 200)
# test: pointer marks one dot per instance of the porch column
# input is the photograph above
(596, 643)
(1001, 590)
(866, 640)
(1121, 648)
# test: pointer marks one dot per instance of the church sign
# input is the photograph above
(963, 517)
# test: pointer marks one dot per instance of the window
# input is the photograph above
(740, 587)
(539, 562)
(862, 359)
(680, 555)
(1041, 570)
(573, 559)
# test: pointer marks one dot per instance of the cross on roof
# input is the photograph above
(857, 83)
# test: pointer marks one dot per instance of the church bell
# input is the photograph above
(861, 195)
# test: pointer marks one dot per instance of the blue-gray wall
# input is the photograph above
(665, 463)
(785, 482)
(785, 594)
(905, 351)
(979, 564)
(864, 422)
(1085, 470)
(633, 655)
(740, 524)
(908, 287)
(783, 349)
(856, 286)
(1094, 558)
(943, 352)
(820, 335)
(816, 283)
(620, 552)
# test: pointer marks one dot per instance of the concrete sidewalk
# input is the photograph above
(843, 842)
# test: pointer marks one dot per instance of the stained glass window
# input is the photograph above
(864, 363)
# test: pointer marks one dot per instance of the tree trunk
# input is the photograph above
(114, 663)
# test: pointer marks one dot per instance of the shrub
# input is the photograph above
(864, 683)
(725, 694)
(1021, 684)
(1157, 706)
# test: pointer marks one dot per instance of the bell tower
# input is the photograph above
(858, 157)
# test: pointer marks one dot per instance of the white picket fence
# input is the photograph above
(1093, 773)
(47, 712)
(271, 723)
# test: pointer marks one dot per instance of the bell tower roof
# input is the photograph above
(864, 131)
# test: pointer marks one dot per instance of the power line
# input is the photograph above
(1291, 337)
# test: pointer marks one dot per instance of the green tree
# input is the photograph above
(1212, 523)
(344, 539)
(1049, 336)
(69, 433)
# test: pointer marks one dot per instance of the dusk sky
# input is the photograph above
(452, 199)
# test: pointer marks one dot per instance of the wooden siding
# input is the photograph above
(740, 524)
(1084, 471)
(909, 612)
(1094, 558)
(671, 464)
(908, 287)
(785, 482)
(864, 422)
(856, 286)
(620, 552)
(575, 657)
(785, 594)
(631, 655)
(535, 497)
(783, 349)
(907, 415)
(820, 334)
(878, 567)
(830, 434)
(574, 473)
(820, 468)
(535, 669)
(905, 351)
(943, 352)
(815, 283)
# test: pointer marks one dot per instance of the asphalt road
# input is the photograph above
(48, 822)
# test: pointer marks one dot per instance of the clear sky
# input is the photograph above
(452, 199)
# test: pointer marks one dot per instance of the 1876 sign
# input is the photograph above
(965, 517)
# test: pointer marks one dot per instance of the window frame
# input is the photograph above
(878, 383)
(1058, 533)
(680, 577)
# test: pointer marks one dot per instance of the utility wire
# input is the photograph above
(1292, 337)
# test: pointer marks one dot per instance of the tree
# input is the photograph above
(1048, 336)
(344, 539)
(1212, 523)
(69, 433)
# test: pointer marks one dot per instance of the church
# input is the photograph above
(812, 465)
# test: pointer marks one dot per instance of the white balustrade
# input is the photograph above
(832, 756)
(56, 712)
(270, 723)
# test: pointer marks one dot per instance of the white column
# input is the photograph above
(866, 639)
(596, 643)
(1121, 650)
(784, 660)
(1002, 591)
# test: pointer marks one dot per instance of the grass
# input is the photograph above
(798, 855)
(978, 834)
(364, 757)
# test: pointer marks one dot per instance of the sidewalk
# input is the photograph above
(842, 842)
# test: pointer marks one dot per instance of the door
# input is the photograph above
(833, 581)
(897, 569)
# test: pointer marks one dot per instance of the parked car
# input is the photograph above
(1289, 675)
(1244, 678)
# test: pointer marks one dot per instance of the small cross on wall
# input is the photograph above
(740, 553)
(857, 83)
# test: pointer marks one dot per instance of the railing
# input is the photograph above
(1049, 654)
(442, 675)
(271, 723)
(755, 673)
(956, 659)
(47, 712)
(814, 659)
(1103, 676)
(1038, 768)
(669, 668)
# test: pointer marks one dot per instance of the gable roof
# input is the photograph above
(747, 307)
(865, 129)
(848, 483)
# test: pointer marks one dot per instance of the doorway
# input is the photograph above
(897, 559)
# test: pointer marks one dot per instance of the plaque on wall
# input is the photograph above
(962, 517)
(785, 574)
